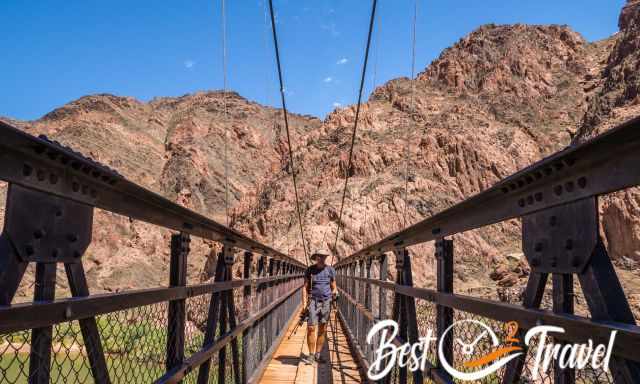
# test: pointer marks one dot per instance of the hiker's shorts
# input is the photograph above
(319, 311)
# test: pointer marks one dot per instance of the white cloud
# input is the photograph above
(189, 64)
(328, 79)
(336, 104)
(331, 28)
(344, 60)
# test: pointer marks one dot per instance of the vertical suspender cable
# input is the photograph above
(411, 112)
(226, 114)
(286, 124)
(355, 124)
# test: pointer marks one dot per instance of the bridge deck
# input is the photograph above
(286, 367)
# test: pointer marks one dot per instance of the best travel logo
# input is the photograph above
(482, 351)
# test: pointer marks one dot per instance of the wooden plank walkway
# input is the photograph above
(286, 367)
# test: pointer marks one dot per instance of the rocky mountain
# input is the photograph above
(499, 99)
(175, 147)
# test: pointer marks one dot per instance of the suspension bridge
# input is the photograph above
(246, 330)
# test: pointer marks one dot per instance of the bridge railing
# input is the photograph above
(556, 200)
(222, 331)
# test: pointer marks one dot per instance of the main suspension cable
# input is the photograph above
(355, 124)
(411, 113)
(286, 124)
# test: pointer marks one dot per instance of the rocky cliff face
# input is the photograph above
(615, 100)
(498, 100)
(173, 146)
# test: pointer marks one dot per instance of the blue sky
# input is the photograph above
(57, 51)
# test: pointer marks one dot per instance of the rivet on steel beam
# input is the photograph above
(569, 186)
(582, 182)
(27, 170)
(569, 244)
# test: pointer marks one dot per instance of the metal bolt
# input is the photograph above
(569, 244)
(582, 182)
(557, 190)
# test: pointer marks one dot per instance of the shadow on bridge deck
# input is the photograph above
(286, 366)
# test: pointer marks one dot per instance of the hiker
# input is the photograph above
(319, 290)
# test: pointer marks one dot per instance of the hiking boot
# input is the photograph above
(307, 359)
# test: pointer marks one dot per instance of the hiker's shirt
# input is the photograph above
(321, 279)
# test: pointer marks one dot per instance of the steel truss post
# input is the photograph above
(382, 293)
(407, 309)
(60, 232)
(177, 308)
(246, 294)
(213, 317)
(444, 315)
(565, 241)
